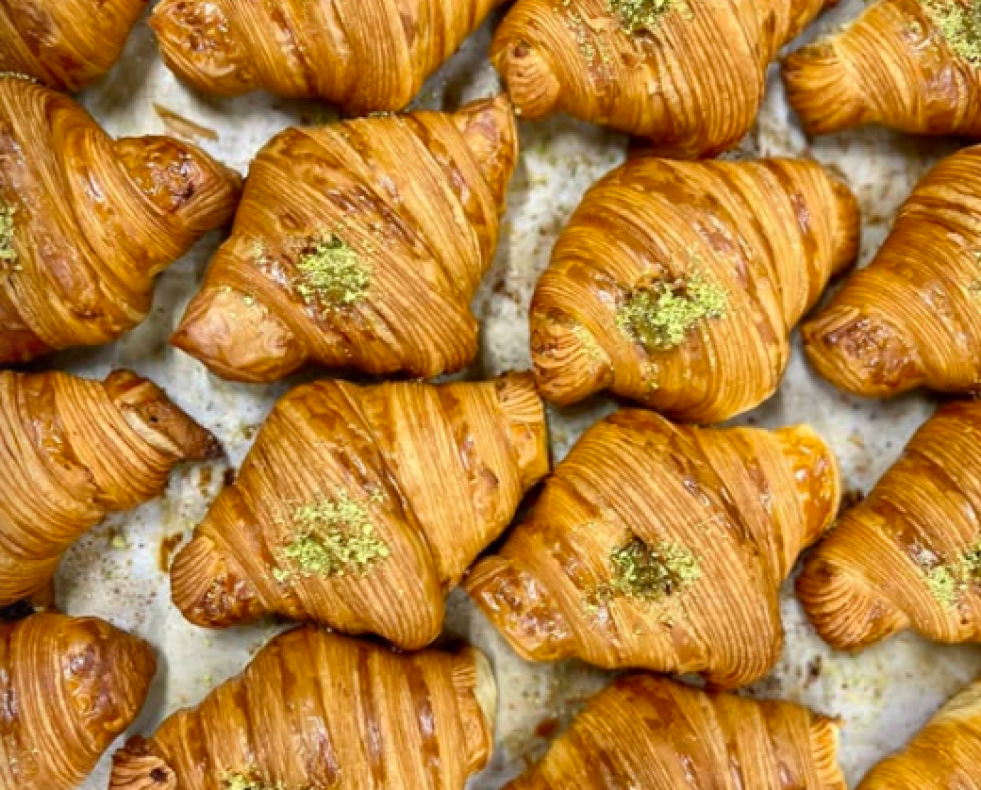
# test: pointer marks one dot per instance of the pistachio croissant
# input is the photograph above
(86, 222)
(66, 44)
(909, 556)
(315, 710)
(648, 732)
(662, 547)
(71, 451)
(360, 508)
(69, 687)
(946, 755)
(365, 55)
(912, 317)
(678, 283)
(909, 64)
(359, 244)
(689, 74)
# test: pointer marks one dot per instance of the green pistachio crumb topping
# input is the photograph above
(333, 537)
(660, 317)
(948, 581)
(649, 572)
(250, 781)
(8, 255)
(331, 274)
(18, 75)
(959, 22)
(637, 15)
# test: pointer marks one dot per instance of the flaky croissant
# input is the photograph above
(69, 687)
(678, 283)
(909, 556)
(359, 244)
(66, 44)
(86, 222)
(71, 450)
(689, 74)
(360, 508)
(912, 317)
(909, 64)
(662, 547)
(945, 755)
(365, 55)
(315, 710)
(648, 732)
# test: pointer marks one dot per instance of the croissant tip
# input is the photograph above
(569, 362)
(136, 767)
(531, 82)
(822, 90)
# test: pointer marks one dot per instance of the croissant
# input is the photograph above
(361, 245)
(360, 508)
(315, 710)
(677, 284)
(648, 732)
(86, 222)
(69, 687)
(662, 547)
(66, 44)
(911, 318)
(908, 64)
(689, 74)
(71, 450)
(909, 556)
(945, 755)
(365, 55)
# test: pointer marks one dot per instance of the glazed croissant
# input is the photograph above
(908, 64)
(86, 222)
(909, 556)
(648, 732)
(689, 74)
(913, 316)
(662, 547)
(69, 687)
(66, 44)
(365, 55)
(360, 508)
(945, 755)
(678, 284)
(71, 450)
(359, 244)
(315, 710)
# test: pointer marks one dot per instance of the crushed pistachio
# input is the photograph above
(661, 317)
(8, 255)
(649, 572)
(948, 581)
(588, 342)
(18, 75)
(959, 22)
(331, 274)
(334, 537)
(240, 781)
(637, 15)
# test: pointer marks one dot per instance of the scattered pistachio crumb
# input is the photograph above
(8, 255)
(18, 75)
(588, 342)
(637, 15)
(248, 781)
(660, 317)
(334, 537)
(959, 22)
(647, 572)
(331, 274)
(119, 542)
(948, 581)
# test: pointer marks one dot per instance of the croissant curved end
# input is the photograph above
(132, 664)
(531, 81)
(491, 132)
(238, 338)
(815, 470)
(825, 742)
(528, 428)
(844, 610)
(485, 687)
(209, 593)
(137, 767)
(823, 91)
(860, 353)
(847, 234)
(569, 363)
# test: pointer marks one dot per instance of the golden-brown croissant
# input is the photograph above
(66, 44)
(648, 732)
(909, 64)
(71, 450)
(912, 317)
(69, 686)
(945, 755)
(365, 55)
(662, 547)
(316, 710)
(360, 508)
(678, 283)
(86, 222)
(359, 244)
(689, 74)
(909, 556)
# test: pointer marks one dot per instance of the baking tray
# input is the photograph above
(118, 571)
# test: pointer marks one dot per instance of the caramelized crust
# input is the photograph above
(662, 547)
